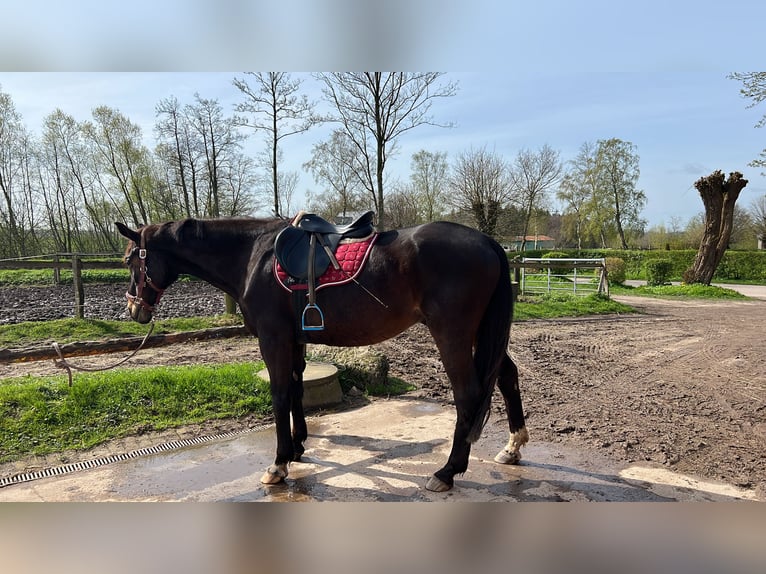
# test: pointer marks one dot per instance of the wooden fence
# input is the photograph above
(76, 262)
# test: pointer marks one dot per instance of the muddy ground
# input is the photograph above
(680, 384)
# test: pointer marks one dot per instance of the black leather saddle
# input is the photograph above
(295, 248)
(292, 245)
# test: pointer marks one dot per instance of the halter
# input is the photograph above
(143, 281)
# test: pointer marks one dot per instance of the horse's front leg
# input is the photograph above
(278, 356)
(300, 432)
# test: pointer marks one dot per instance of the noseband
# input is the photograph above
(143, 281)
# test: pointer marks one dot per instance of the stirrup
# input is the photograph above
(320, 326)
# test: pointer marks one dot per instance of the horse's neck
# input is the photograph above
(220, 261)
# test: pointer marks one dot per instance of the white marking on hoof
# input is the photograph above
(437, 485)
(275, 474)
(505, 457)
(511, 454)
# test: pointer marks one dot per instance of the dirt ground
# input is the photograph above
(680, 384)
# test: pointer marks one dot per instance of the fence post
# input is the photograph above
(56, 270)
(231, 304)
(79, 292)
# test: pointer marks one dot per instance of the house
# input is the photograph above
(533, 242)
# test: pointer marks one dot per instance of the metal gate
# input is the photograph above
(576, 276)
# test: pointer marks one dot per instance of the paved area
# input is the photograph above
(384, 451)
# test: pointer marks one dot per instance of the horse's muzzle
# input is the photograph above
(138, 312)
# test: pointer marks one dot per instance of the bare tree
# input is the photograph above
(274, 106)
(576, 189)
(480, 184)
(758, 215)
(719, 196)
(12, 133)
(175, 148)
(333, 165)
(218, 141)
(533, 176)
(201, 151)
(61, 179)
(239, 181)
(428, 183)
(754, 88)
(374, 109)
(403, 209)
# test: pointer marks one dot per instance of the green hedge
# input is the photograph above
(735, 265)
(658, 272)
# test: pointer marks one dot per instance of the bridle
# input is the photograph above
(143, 280)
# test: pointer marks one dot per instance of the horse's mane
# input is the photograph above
(220, 230)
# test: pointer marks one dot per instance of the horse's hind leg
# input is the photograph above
(458, 363)
(508, 383)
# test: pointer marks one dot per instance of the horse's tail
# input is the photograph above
(492, 341)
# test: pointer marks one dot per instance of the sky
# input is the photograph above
(550, 72)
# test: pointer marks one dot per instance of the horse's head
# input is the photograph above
(150, 274)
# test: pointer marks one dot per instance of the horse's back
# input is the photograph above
(448, 246)
(452, 259)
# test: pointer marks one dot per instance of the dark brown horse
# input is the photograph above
(452, 278)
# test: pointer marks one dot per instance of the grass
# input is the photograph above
(44, 415)
(38, 277)
(554, 305)
(693, 291)
(70, 330)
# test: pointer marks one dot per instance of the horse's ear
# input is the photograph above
(126, 231)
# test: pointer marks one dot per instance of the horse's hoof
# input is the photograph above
(275, 474)
(435, 484)
(506, 457)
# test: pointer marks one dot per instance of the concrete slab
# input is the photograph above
(382, 452)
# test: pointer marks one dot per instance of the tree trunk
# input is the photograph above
(718, 196)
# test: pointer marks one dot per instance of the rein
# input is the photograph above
(62, 363)
(143, 281)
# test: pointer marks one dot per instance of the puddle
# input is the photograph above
(383, 452)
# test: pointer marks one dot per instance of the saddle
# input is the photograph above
(295, 248)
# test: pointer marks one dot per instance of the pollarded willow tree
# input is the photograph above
(719, 196)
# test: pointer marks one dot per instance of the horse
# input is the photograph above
(450, 277)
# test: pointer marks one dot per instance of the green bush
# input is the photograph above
(615, 270)
(558, 255)
(658, 272)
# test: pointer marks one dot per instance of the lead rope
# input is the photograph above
(62, 363)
